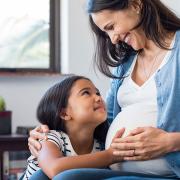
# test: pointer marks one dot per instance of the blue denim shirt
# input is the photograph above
(167, 81)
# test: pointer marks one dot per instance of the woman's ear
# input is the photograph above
(65, 115)
(136, 5)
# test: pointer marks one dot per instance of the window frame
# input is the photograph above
(54, 40)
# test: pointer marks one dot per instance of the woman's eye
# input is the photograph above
(111, 27)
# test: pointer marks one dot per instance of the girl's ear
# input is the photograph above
(64, 115)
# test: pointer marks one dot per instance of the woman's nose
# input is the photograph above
(114, 38)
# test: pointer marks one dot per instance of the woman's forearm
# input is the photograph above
(174, 141)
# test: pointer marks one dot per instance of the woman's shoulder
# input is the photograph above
(177, 39)
(123, 68)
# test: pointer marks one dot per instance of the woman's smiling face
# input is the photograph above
(119, 24)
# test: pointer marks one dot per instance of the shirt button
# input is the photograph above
(158, 84)
(172, 164)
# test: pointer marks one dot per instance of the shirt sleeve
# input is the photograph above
(110, 97)
(53, 137)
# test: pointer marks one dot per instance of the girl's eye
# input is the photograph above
(86, 93)
(98, 93)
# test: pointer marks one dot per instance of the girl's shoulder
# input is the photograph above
(57, 137)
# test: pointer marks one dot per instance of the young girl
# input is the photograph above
(75, 112)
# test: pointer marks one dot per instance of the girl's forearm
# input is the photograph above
(94, 160)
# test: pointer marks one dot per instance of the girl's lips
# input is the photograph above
(99, 107)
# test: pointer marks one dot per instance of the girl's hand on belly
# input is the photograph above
(146, 142)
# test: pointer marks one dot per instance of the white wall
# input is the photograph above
(79, 41)
(174, 5)
(22, 93)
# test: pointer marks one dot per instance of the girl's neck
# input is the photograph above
(82, 140)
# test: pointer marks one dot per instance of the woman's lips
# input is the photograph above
(127, 39)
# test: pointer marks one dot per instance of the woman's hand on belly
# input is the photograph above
(146, 142)
(121, 153)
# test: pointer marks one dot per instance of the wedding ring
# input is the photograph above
(134, 153)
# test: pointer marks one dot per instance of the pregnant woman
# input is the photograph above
(141, 40)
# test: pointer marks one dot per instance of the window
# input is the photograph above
(30, 36)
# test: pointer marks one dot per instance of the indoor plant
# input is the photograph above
(5, 118)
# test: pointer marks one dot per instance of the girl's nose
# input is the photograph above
(98, 98)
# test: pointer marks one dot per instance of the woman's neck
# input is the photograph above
(151, 48)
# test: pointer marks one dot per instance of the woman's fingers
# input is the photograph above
(132, 155)
(44, 129)
(134, 158)
(119, 133)
(125, 146)
(146, 142)
(33, 151)
(37, 135)
(39, 132)
(136, 131)
(35, 143)
(129, 139)
(128, 153)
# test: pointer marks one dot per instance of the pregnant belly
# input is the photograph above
(130, 119)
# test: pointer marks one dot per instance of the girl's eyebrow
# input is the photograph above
(87, 88)
(83, 89)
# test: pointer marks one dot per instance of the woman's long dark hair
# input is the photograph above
(55, 100)
(155, 20)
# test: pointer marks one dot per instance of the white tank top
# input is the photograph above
(138, 108)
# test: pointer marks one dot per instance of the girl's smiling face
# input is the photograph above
(85, 104)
